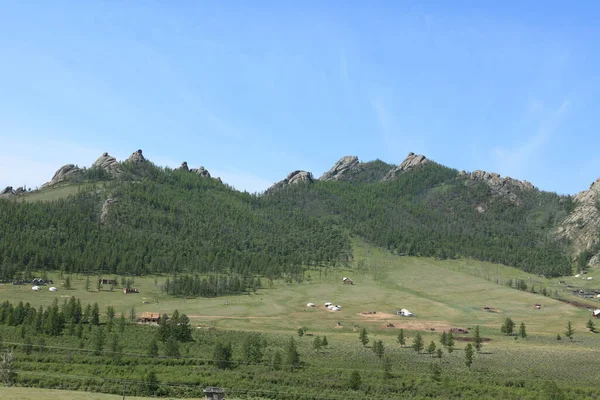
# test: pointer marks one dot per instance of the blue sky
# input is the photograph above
(254, 92)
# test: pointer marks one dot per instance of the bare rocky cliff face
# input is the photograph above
(582, 226)
(203, 172)
(107, 163)
(64, 173)
(292, 178)
(411, 162)
(506, 187)
(105, 210)
(341, 169)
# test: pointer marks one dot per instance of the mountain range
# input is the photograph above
(134, 217)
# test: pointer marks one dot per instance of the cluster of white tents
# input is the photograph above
(589, 278)
(37, 288)
(405, 313)
(330, 306)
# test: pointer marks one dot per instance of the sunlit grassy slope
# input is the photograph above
(441, 294)
(55, 193)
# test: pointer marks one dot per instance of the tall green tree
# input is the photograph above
(418, 343)
(590, 325)
(570, 331)
(431, 348)
(222, 355)
(292, 356)
(401, 338)
(354, 380)
(508, 326)
(469, 352)
(152, 348)
(378, 349)
(171, 347)
(477, 339)
(522, 331)
(151, 383)
(450, 343)
(252, 348)
(363, 336)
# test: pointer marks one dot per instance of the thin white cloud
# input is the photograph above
(515, 161)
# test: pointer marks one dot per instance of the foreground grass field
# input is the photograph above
(20, 393)
(442, 294)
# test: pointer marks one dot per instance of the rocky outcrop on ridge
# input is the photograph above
(7, 193)
(500, 186)
(105, 209)
(136, 157)
(411, 162)
(64, 173)
(345, 166)
(582, 225)
(183, 167)
(107, 163)
(292, 178)
(203, 172)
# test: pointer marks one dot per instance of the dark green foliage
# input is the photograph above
(444, 339)
(591, 326)
(378, 348)
(363, 336)
(450, 342)
(354, 380)
(317, 343)
(151, 383)
(253, 348)
(276, 361)
(68, 283)
(477, 339)
(324, 342)
(469, 352)
(508, 326)
(570, 331)
(175, 222)
(406, 216)
(153, 348)
(300, 332)
(401, 338)
(98, 340)
(523, 331)
(172, 347)
(292, 356)
(418, 343)
(222, 355)
(431, 348)
(436, 372)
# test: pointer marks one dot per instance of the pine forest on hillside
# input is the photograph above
(171, 221)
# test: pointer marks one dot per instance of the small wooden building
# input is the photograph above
(104, 281)
(130, 290)
(347, 281)
(149, 317)
(214, 393)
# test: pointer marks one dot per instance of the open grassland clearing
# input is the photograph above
(60, 191)
(439, 293)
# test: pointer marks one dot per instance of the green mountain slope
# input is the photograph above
(166, 221)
